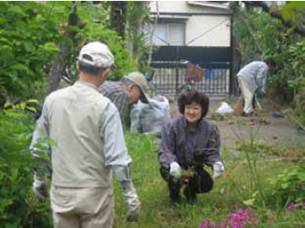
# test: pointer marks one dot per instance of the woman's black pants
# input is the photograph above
(200, 182)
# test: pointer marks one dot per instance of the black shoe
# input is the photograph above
(248, 114)
(174, 192)
(175, 201)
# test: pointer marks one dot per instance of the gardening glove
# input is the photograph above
(132, 201)
(123, 175)
(218, 169)
(175, 170)
(260, 93)
(40, 188)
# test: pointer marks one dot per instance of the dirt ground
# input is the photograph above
(265, 126)
(277, 131)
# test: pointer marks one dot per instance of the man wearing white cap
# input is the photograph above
(88, 147)
(124, 93)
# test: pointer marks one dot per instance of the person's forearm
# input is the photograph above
(122, 173)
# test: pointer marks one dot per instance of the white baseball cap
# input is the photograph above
(96, 54)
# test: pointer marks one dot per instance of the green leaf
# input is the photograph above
(50, 47)
(289, 10)
(31, 109)
(17, 11)
(284, 185)
(21, 67)
(249, 202)
(28, 45)
(32, 101)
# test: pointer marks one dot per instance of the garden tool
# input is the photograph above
(257, 101)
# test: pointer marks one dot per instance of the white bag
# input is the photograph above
(224, 108)
(149, 118)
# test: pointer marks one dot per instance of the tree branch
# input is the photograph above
(277, 14)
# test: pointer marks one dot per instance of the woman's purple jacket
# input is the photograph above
(189, 147)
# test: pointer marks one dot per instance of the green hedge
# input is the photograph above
(18, 206)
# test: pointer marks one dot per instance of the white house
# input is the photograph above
(191, 23)
(196, 31)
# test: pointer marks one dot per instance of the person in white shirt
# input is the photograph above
(87, 147)
(252, 79)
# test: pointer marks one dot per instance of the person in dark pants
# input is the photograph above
(189, 143)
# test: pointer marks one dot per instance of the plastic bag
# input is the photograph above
(224, 108)
(149, 118)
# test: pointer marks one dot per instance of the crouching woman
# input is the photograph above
(188, 144)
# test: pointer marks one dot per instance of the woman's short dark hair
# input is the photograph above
(194, 96)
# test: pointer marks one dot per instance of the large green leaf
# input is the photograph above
(289, 9)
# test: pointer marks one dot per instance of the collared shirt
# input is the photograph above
(255, 75)
(189, 146)
(119, 97)
(87, 134)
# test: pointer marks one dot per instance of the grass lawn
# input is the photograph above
(235, 190)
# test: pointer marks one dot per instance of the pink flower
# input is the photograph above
(242, 217)
(207, 224)
(291, 206)
(303, 204)
(223, 225)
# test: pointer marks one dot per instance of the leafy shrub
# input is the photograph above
(29, 33)
(289, 186)
(96, 29)
(18, 206)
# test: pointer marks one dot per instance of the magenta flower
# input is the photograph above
(291, 206)
(223, 225)
(242, 217)
(207, 224)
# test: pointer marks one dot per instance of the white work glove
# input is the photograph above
(132, 201)
(175, 170)
(40, 188)
(218, 169)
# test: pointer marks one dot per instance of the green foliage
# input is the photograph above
(251, 152)
(289, 186)
(30, 34)
(293, 11)
(96, 29)
(278, 42)
(28, 41)
(18, 206)
(137, 16)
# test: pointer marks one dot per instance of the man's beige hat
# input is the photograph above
(139, 79)
(96, 54)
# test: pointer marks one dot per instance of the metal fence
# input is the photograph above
(170, 78)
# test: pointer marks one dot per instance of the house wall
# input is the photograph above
(183, 7)
(204, 26)
(208, 31)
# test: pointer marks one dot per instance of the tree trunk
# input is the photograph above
(118, 10)
(136, 14)
(59, 61)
